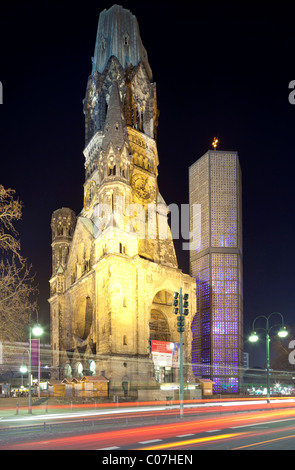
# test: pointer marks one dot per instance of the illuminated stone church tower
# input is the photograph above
(114, 265)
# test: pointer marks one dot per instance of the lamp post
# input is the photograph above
(37, 330)
(180, 331)
(253, 338)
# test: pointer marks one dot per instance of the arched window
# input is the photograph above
(92, 367)
(122, 249)
(126, 39)
(159, 329)
(80, 369)
(112, 170)
(103, 44)
(68, 371)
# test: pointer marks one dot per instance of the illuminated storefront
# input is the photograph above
(166, 360)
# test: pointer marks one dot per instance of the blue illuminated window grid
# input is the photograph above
(220, 328)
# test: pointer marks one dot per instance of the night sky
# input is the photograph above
(221, 71)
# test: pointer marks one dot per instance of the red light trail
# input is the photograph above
(133, 436)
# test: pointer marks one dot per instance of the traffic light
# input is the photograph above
(180, 305)
(185, 304)
(180, 324)
(176, 303)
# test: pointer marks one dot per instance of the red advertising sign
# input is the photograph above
(162, 353)
(161, 347)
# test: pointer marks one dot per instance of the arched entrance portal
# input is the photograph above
(160, 336)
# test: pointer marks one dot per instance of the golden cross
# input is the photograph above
(215, 143)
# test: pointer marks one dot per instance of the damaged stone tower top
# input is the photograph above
(115, 24)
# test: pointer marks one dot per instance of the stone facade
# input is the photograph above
(114, 266)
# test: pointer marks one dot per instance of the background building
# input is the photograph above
(215, 183)
(13, 356)
(114, 266)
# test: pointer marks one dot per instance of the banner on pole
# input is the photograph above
(35, 352)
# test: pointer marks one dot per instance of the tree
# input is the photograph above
(17, 288)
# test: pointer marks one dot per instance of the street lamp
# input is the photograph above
(253, 338)
(283, 333)
(23, 370)
(37, 331)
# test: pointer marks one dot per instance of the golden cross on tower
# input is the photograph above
(215, 143)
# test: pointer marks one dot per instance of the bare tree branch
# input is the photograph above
(10, 211)
(16, 281)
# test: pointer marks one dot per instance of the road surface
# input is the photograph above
(155, 430)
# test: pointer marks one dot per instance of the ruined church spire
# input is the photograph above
(118, 35)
